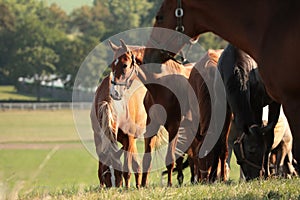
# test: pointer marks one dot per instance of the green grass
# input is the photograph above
(46, 171)
(28, 126)
(65, 173)
(9, 93)
(271, 189)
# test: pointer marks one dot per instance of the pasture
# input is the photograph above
(41, 157)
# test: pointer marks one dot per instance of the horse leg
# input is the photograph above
(147, 158)
(190, 159)
(132, 150)
(290, 164)
(287, 146)
(180, 176)
(150, 139)
(117, 167)
(282, 152)
(100, 172)
(214, 164)
(204, 168)
(172, 129)
(170, 160)
(127, 162)
(106, 175)
(292, 111)
(224, 147)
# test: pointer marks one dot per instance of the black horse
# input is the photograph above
(246, 96)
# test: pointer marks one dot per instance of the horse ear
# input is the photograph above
(113, 46)
(124, 46)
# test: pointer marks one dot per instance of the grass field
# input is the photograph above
(41, 157)
(9, 93)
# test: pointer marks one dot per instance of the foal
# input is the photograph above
(123, 120)
(126, 68)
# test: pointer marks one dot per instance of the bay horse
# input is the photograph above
(121, 121)
(206, 167)
(164, 109)
(246, 96)
(267, 30)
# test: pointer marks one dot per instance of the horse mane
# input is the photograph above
(243, 65)
(138, 51)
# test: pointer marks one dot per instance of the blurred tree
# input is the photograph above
(31, 43)
(148, 19)
(84, 22)
(37, 40)
(124, 15)
(7, 26)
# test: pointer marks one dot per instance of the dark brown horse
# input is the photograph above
(202, 75)
(267, 30)
(247, 96)
(162, 82)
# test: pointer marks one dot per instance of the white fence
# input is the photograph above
(45, 106)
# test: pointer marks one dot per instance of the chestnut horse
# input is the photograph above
(201, 75)
(165, 109)
(104, 127)
(267, 30)
(121, 121)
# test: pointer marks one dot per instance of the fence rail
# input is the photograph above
(45, 106)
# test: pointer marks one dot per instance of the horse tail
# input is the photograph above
(161, 138)
(107, 120)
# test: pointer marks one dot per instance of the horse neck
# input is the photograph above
(243, 26)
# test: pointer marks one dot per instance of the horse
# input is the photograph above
(267, 31)
(206, 168)
(103, 127)
(127, 67)
(121, 121)
(282, 148)
(246, 96)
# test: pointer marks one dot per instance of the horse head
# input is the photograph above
(250, 150)
(123, 70)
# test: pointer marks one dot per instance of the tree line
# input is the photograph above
(38, 40)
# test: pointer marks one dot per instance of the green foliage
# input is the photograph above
(37, 39)
(212, 41)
